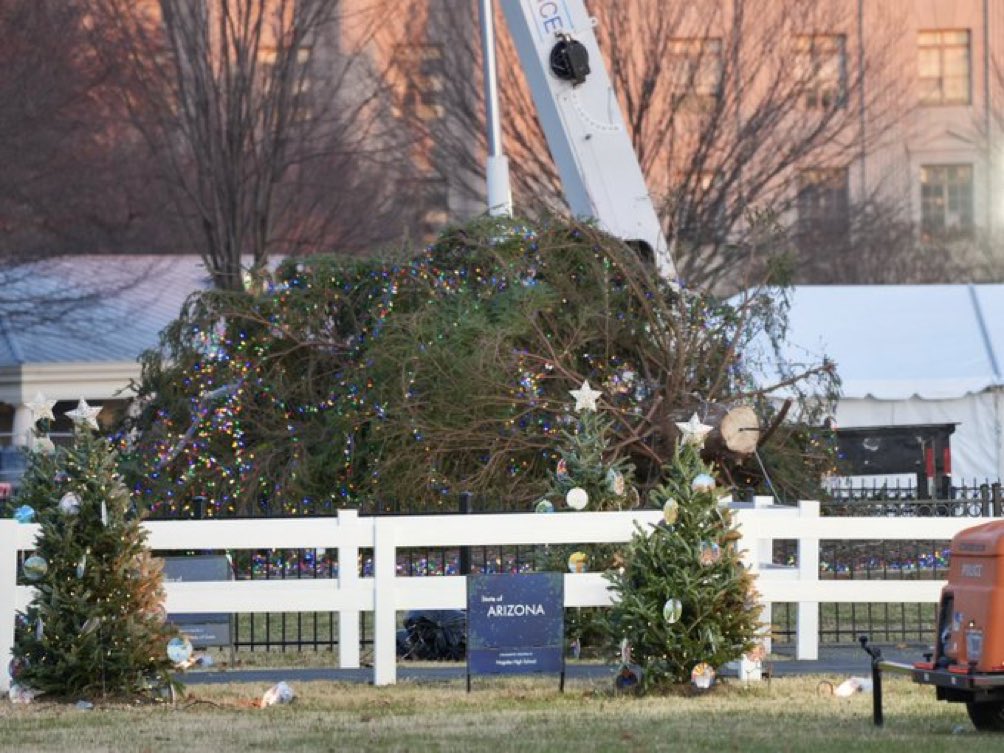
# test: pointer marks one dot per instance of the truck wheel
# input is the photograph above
(987, 716)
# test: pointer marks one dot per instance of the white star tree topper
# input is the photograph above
(585, 397)
(693, 431)
(41, 408)
(84, 414)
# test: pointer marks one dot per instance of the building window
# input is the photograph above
(421, 79)
(701, 214)
(822, 69)
(946, 200)
(433, 200)
(281, 69)
(945, 69)
(696, 66)
(823, 205)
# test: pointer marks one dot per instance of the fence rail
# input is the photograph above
(352, 593)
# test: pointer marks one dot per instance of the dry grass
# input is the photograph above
(524, 714)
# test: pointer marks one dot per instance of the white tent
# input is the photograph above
(913, 354)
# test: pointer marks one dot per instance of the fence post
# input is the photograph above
(808, 572)
(763, 554)
(348, 585)
(465, 551)
(384, 600)
(8, 597)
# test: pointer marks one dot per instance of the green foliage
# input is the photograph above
(95, 627)
(588, 462)
(694, 560)
(339, 382)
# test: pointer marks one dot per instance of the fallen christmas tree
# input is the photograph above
(343, 382)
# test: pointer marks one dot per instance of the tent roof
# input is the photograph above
(893, 342)
(121, 303)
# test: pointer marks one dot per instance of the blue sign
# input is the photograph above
(515, 624)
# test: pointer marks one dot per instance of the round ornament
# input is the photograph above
(90, 625)
(627, 678)
(17, 666)
(24, 514)
(670, 511)
(577, 562)
(756, 654)
(158, 613)
(615, 482)
(671, 611)
(710, 553)
(702, 483)
(633, 497)
(544, 506)
(44, 445)
(561, 471)
(69, 504)
(703, 676)
(179, 650)
(35, 567)
(577, 498)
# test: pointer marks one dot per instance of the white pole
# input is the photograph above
(497, 168)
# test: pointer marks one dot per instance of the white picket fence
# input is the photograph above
(386, 593)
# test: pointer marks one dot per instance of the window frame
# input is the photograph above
(823, 203)
(950, 192)
(936, 96)
(422, 79)
(813, 52)
(694, 55)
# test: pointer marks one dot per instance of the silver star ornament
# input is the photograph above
(693, 431)
(84, 414)
(585, 397)
(41, 408)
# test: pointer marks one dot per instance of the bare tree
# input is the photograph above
(268, 119)
(72, 176)
(730, 107)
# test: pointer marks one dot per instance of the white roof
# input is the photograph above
(893, 342)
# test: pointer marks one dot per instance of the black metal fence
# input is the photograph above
(883, 560)
(839, 623)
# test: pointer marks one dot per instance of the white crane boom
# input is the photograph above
(585, 131)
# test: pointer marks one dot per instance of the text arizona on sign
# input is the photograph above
(515, 610)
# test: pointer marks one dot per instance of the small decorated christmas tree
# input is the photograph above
(685, 602)
(96, 625)
(589, 475)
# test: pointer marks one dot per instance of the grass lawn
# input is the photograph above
(514, 714)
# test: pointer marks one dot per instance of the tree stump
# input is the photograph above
(735, 433)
